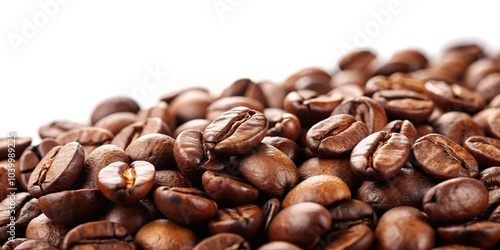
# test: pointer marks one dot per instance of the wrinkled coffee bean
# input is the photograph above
(485, 150)
(243, 220)
(98, 235)
(348, 213)
(30, 159)
(152, 236)
(364, 109)
(322, 189)
(89, 137)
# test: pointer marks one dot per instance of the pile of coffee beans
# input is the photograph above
(397, 153)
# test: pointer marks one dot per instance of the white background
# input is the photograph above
(82, 52)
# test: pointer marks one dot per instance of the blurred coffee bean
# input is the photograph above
(30, 158)
(197, 124)
(152, 236)
(115, 122)
(220, 106)
(113, 105)
(245, 87)
(359, 60)
(98, 235)
(132, 217)
(223, 241)
(227, 189)
(161, 110)
(190, 104)
(405, 105)
(16, 211)
(348, 213)
(453, 97)
(282, 123)
(12, 148)
(43, 229)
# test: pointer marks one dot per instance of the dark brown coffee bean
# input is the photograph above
(115, 122)
(380, 156)
(285, 145)
(113, 105)
(227, 189)
(187, 206)
(471, 51)
(407, 188)
(495, 102)
(405, 128)
(124, 183)
(161, 110)
(490, 178)
(154, 148)
(43, 229)
(56, 128)
(377, 83)
(11, 244)
(456, 247)
(13, 147)
(322, 189)
(245, 87)
(314, 79)
(457, 126)
(269, 210)
(30, 159)
(478, 70)
(390, 67)
(5, 183)
(433, 151)
(274, 94)
(404, 228)
(190, 104)
(485, 150)
(482, 234)
(403, 81)
(235, 131)
(301, 224)
(243, 220)
(356, 237)
(453, 97)
(35, 245)
(415, 59)
(356, 60)
(196, 124)
(488, 87)
(494, 124)
(335, 136)
(133, 131)
(282, 123)
(405, 105)
(223, 241)
(16, 211)
(170, 178)
(132, 217)
(268, 169)
(495, 215)
(348, 213)
(98, 235)
(58, 170)
(273, 245)
(348, 77)
(152, 236)
(455, 201)
(309, 106)
(72, 207)
(88, 137)
(220, 106)
(366, 110)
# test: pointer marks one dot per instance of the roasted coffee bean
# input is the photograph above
(72, 207)
(405, 128)
(388, 68)
(34, 245)
(227, 189)
(245, 87)
(89, 137)
(169, 178)
(220, 106)
(43, 229)
(481, 117)
(348, 213)
(30, 159)
(115, 122)
(457, 126)
(16, 211)
(335, 136)
(435, 74)
(482, 234)
(269, 210)
(170, 96)
(407, 188)
(13, 243)
(488, 87)
(356, 237)
(346, 91)
(161, 110)
(377, 83)
(285, 145)
(456, 247)
(310, 107)
(223, 241)
(357, 60)
(99, 158)
(124, 183)
(187, 206)
(493, 127)
(98, 235)
(322, 189)
(133, 131)
(314, 79)
(15, 146)
(274, 245)
(453, 97)
(56, 128)
(152, 236)
(154, 148)
(454, 62)
(495, 102)
(235, 131)
(495, 215)
(490, 178)
(132, 217)
(455, 201)
(404, 228)
(364, 109)
(405, 105)
(243, 220)
(268, 169)
(196, 124)
(423, 130)
(485, 150)
(403, 81)
(190, 104)
(113, 105)
(380, 156)
(478, 70)
(57, 171)
(4, 175)
(433, 151)
(301, 224)
(348, 78)
(282, 123)
(472, 51)
(274, 93)
(415, 59)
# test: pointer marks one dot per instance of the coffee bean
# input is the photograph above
(482, 234)
(169, 178)
(335, 136)
(455, 201)
(132, 217)
(405, 105)
(115, 122)
(364, 109)
(235, 131)
(495, 215)
(322, 189)
(471, 50)
(21, 207)
(388, 68)
(35, 245)
(113, 105)
(56, 128)
(154, 148)
(493, 126)
(227, 189)
(404, 127)
(380, 156)
(269, 210)
(30, 158)
(133, 131)
(357, 60)
(453, 97)
(161, 110)
(485, 150)
(346, 91)
(356, 237)
(354, 78)
(152, 236)
(273, 245)
(282, 124)
(478, 70)
(18, 144)
(124, 183)
(348, 213)
(415, 59)
(243, 220)
(245, 87)
(488, 87)
(57, 171)
(274, 93)
(490, 178)
(223, 241)
(220, 106)
(43, 229)
(309, 106)
(435, 74)
(433, 151)
(196, 124)
(457, 126)
(13, 243)
(88, 137)
(98, 235)
(285, 145)
(314, 79)
(190, 104)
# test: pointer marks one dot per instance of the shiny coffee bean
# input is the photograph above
(4, 175)
(455, 201)
(322, 189)
(405, 105)
(482, 234)
(98, 235)
(243, 220)
(43, 229)
(335, 136)
(133, 131)
(18, 144)
(472, 51)
(196, 124)
(274, 94)
(56, 128)
(89, 137)
(72, 207)
(227, 189)
(314, 79)
(485, 150)
(403, 81)
(457, 126)
(404, 228)
(478, 70)
(269, 210)
(493, 126)
(453, 97)
(245, 87)
(169, 178)
(34, 245)
(289, 224)
(404, 127)
(273, 245)
(364, 109)
(16, 211)
(124, 183)
(433, 151)
(282, 123)
(154, 148)
(346, 91)
(13, 243)
(223, 241)
(356, 60)
(269, 170)
(348, 213)
(132, 217)
(187, 206)
(309, 106)
(389, 68)
(488, 87)
(58, 170)
(490, 178)
(152, 236)
(495, 215)
(115, 122)
(30, 158)
(220, 106)
(235, 131)
(285, 145)
(161, 110)
(380, 156)
(113, 105)
(356, 237)
(190, 104)
(414, 58)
